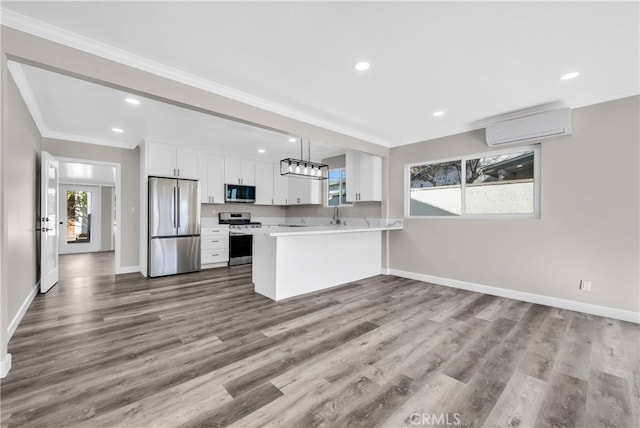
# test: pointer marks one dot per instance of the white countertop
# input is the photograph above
(298, 230)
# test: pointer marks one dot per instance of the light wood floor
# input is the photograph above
(204, 350)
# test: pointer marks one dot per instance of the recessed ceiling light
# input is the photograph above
(362, 66)
(570, 75)
(292, 140)
(438, 113)
(261, 150)
(132, 101)
(118, 130)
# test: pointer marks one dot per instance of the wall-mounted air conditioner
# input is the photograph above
(539, 126)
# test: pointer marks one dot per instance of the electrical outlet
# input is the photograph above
(585, 285)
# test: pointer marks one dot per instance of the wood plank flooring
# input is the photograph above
(203, 349)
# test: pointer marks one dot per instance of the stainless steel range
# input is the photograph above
(240, 236)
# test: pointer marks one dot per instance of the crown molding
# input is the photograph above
(624, 91)
(58, 35)
(54, 135)
(16, 71)
(29, 99)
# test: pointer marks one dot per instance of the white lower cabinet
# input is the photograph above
(214, 245)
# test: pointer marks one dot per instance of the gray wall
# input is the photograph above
(20, 180)
(129, 161)
(589, 227)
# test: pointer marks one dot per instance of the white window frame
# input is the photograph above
(326, 191)
(463, 159)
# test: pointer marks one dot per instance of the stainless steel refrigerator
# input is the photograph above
(174, 226)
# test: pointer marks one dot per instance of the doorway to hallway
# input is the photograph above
(80, 219)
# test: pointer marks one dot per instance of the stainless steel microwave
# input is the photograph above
(239, 193)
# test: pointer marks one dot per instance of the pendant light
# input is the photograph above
(304, 168)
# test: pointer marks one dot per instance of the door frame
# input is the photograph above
(118, 198)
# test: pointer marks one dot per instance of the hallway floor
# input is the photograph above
(86, 264)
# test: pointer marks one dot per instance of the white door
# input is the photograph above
(80, 227)
(49, 222)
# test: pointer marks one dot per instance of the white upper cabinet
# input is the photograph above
(187, 163)
(364, 177)
(211, 169)
(264, 186)
(304, 191)
(280, 187)
(238, 171)
(166, 160)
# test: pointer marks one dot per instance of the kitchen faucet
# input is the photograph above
(336, 217)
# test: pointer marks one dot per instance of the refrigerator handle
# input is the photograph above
(175, 205)
(178, 207)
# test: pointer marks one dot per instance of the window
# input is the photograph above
(337, 188)
(495, 184)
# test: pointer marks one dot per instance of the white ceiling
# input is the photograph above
(472, 60)
(72, 109)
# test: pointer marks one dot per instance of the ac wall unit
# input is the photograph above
(539, 126)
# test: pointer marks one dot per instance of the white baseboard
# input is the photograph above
(23, 309)
(572, 305)
(127, 269)
(5, 365)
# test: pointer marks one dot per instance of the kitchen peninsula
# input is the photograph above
(292, 260)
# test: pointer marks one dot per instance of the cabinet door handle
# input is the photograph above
(178, 172)
(215, 255)
(215, 241)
